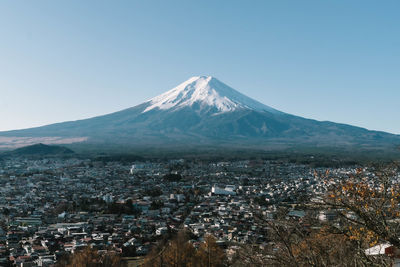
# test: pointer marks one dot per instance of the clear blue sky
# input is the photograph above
(327, 60)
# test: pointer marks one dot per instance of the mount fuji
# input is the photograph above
(199, 112)
(205, 93)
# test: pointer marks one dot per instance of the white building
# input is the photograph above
(229, 190)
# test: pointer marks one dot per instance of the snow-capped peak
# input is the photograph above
(205, 91)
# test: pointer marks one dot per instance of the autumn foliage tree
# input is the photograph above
(89, 257)
(209, 253)
(180, 252)
(176, 252)
(294, 243)
(368, 205)
(367, 208)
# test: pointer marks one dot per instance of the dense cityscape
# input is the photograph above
(53, 207)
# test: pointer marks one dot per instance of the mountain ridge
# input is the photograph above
(205, 111)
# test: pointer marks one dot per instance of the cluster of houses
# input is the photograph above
(51, 208)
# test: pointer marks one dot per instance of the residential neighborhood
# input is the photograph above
(53, 207)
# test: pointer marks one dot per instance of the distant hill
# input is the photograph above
(40, 150)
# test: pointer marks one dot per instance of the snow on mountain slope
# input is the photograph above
(206, 91)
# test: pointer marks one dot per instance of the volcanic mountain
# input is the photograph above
(204, 111)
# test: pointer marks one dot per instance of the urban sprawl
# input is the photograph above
(56, 206)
